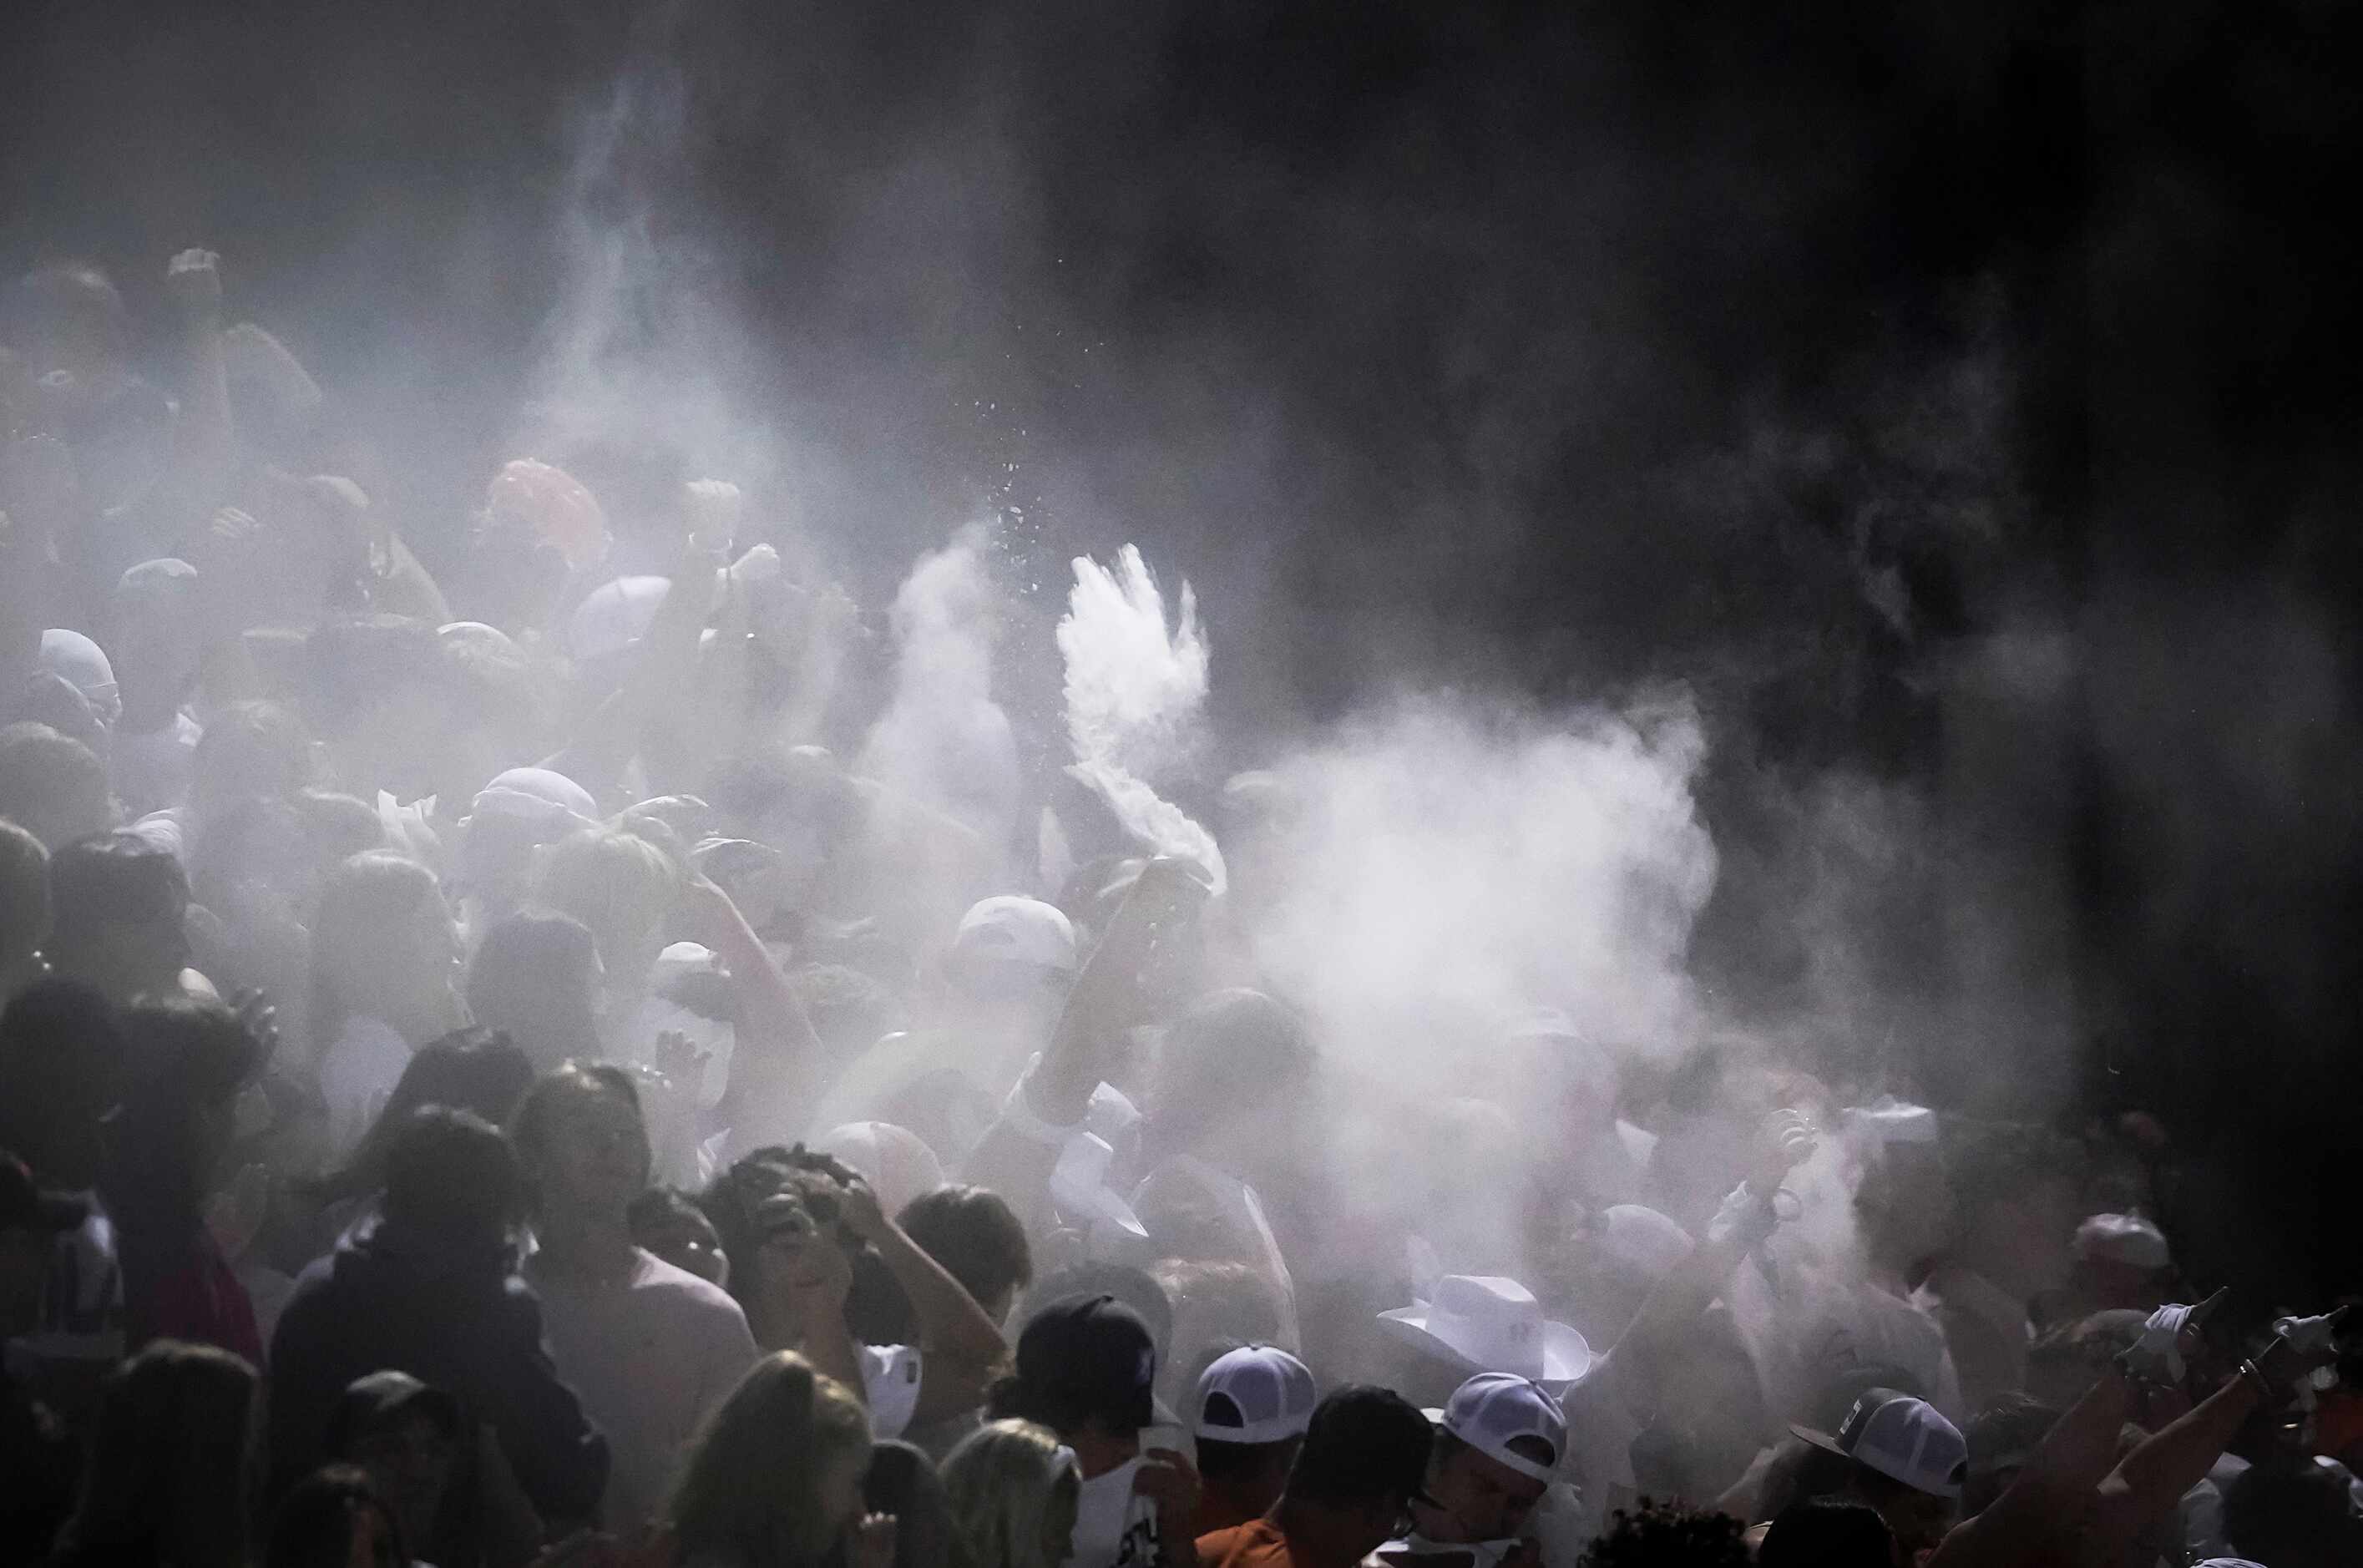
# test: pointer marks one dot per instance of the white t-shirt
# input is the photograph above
(889, 1386)
(151, 769)
(82, 1302)
(1115, 1527)
(358, 1070)
(650, 1357)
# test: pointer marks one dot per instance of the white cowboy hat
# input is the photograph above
(1486, 1323)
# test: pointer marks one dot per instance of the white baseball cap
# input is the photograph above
(1486, 1323)
(615, 615)
(83, 664)
(1269, 1392)
(1902, 1438)
(2126, 1239)
(1494, 1409)
(1017, 930)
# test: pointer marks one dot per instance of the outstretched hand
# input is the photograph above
(1167, 1478)
(1784, 1141)
(2303, 1345)
(260, 1017)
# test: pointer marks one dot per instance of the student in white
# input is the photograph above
(650, 1349)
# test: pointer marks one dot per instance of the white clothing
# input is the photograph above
(1115, 1527)
(151, 770)
(650, 1357)
(82, 1302)
(889, 1386)
(358, 1070)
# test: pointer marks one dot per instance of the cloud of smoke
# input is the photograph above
(1135, 689)
(1444, 867)
(942, 741)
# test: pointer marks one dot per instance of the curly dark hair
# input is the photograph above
(876, 1311)
(1669, 1535)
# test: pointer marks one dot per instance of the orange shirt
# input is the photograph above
(1255, 1544)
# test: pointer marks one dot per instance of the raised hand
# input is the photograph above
(1167, 1478)
(713, 507)
(260, 1016)
(1784, 1141)
(678, 1059)
(861, 1210)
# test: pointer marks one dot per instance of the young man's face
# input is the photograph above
(801, 1266)
(1917, 1519)
(1476, 1498)
(595, 1155)
(409, 1460)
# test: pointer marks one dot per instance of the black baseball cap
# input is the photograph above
(25, 1206)
(1094, 1356)
(371, 1403)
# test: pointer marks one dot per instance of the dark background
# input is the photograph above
(1961, 399)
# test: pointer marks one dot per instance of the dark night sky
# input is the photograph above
(1555, 347)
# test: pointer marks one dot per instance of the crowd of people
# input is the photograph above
(484, 1084)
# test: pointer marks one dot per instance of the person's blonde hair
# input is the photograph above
(750, 1493)
(367, 895)
(620, 886)
(1004, 1482)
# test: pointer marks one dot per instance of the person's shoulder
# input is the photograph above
(681, 1290)
(318, 1277)
(1241, 1545)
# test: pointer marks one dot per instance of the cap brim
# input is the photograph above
(1819, 1438)
(1566, 1357)
(1567, 1354)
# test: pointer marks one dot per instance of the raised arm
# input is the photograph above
(964, 1348)
(770, 1070)
(1667, 1317)
(1021, 1148)
(2176, 1458)
(666, 664)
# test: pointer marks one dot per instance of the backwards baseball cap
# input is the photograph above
(1257, 1394)
(1093, 1355)
(1494, 1409)
(1017, 930)
(25, 1206)
(1902, 1438)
